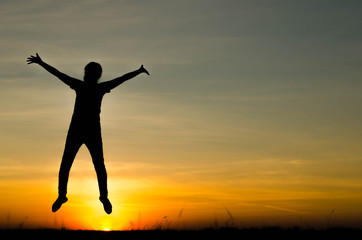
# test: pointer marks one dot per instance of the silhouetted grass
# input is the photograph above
(222, 233)
(163, 229)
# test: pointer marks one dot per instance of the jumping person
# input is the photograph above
(85, 125)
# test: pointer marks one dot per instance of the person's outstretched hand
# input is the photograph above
(143, 70)
(33, 59)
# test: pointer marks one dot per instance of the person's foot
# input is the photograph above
(106, 204)
(58, 203)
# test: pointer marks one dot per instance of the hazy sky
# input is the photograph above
(251, 106)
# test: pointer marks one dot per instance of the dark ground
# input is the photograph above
(223, 233)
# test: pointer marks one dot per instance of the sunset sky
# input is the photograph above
(252, 114)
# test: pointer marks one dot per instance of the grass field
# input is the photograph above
(223, 233)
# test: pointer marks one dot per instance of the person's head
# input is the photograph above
(92, 72)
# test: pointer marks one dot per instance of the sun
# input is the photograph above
(106, 230)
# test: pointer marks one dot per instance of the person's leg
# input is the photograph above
(95, 147)
(72, 146)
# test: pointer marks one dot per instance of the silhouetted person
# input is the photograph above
(85, 126)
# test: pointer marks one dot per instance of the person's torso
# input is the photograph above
(88, 103)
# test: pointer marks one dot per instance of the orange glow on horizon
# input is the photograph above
(155, 201)
(156, 204)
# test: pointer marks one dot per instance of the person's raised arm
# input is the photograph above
(117, 81)
(63, 77)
